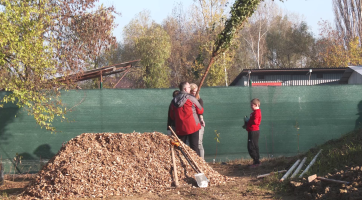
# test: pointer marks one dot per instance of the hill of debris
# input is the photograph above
(115, 164)
(318, 189)
(338, 168)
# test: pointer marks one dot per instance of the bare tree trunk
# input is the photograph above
(348, 18)
(259, 45)
(258, 28)
(205, 74)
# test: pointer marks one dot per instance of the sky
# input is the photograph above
(311, 11)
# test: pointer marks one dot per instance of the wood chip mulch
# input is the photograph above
(116, 164)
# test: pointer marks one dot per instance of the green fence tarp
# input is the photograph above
(294, 119)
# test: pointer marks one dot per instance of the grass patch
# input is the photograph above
(337, 154)
(4, 195)
(272, 183)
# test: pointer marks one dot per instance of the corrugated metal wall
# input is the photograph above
(292, 80)
(355, 79)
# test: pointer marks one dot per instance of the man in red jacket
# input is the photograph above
(253, 132)
(185, 109)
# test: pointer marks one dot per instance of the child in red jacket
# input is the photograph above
(253, 132)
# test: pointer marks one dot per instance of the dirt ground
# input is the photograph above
(244, 186)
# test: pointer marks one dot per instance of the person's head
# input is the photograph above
(193, 90)
(184, 86)
(255, 104)
(175, 93)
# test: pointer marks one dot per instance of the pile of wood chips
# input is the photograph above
(111, 164)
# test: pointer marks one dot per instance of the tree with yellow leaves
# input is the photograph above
(334, 52)
(150, 42)
(209, 18)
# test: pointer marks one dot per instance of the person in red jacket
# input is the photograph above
(253, 132)
(170, 122)
(184, 111)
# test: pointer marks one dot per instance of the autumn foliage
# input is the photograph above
(43, 39)
(335, 52)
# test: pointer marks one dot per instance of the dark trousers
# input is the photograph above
(193, 140)
(253, 146)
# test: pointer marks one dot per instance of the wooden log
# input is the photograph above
(290, 170)
(313, 177)
(299, 167)
(271, 173)
(333, 180)
(310, 164)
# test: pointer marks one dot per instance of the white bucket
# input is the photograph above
(201, 180)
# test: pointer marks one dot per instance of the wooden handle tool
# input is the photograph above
(174, 166)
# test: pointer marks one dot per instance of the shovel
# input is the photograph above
(174, 167)
(200, 177)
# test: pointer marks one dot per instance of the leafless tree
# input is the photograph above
(348, 16)
(256, 29)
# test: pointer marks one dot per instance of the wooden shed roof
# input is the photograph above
(103, 71)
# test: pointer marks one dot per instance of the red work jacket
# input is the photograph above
(185, 109)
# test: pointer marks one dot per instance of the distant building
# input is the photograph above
(289, 77)
(352, 75)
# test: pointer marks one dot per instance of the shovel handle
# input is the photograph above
(174, 165)
(182, 144)
(188, 160)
